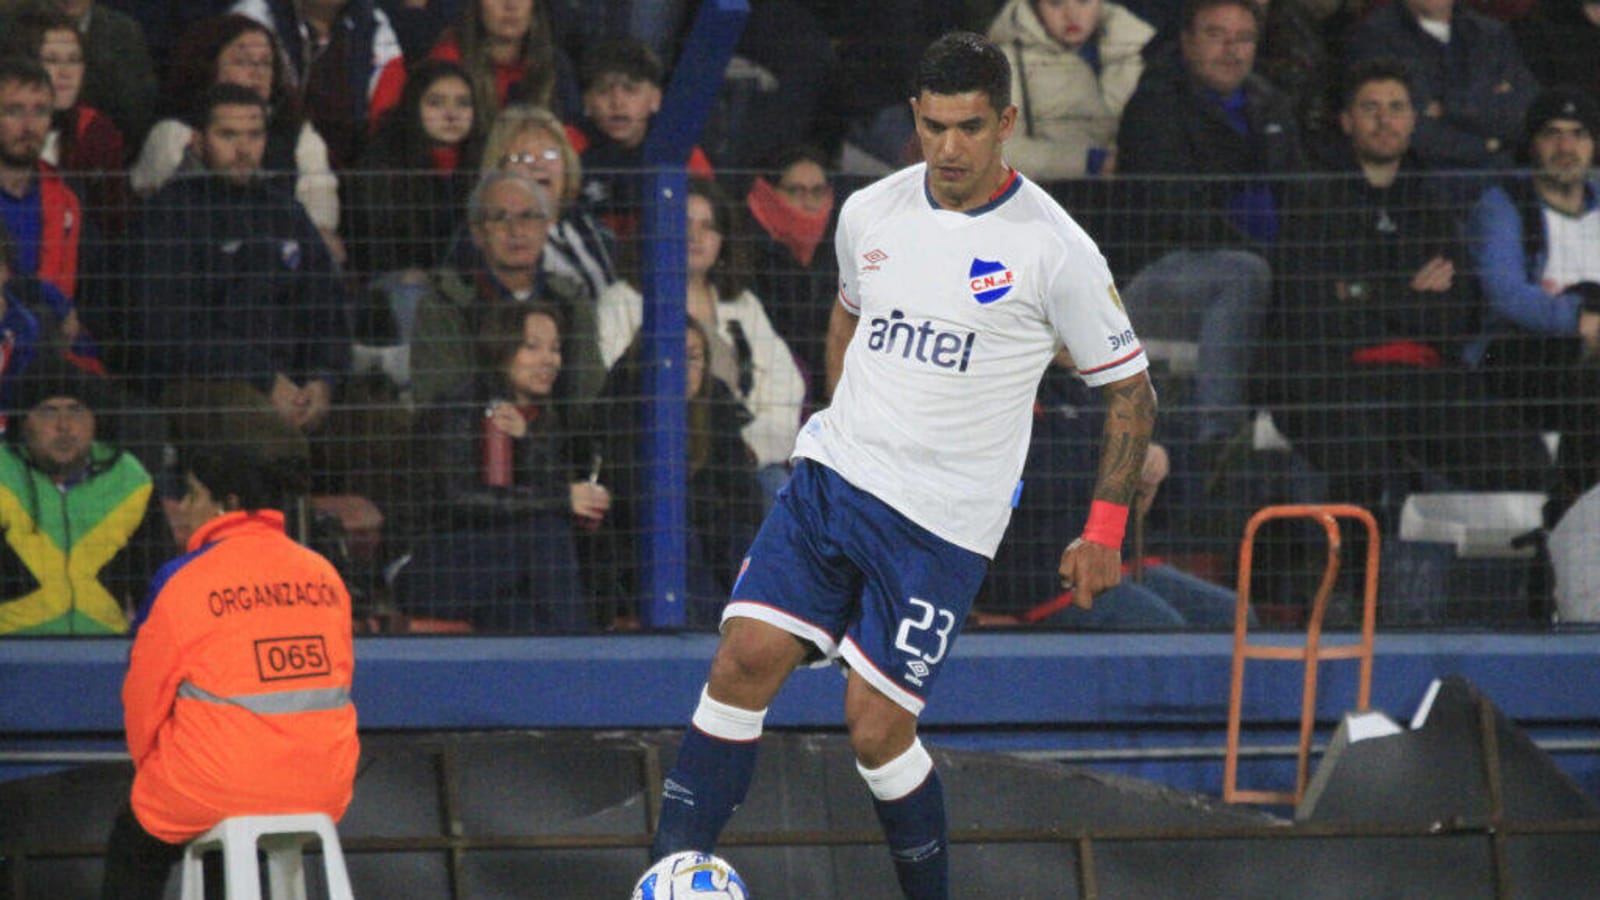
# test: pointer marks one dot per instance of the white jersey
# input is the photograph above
(959, 313)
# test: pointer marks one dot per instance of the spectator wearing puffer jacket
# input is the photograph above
(1074, 65)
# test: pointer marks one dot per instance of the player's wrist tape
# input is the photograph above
(1108, 522)
(728, 723)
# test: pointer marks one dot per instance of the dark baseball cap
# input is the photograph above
(1562, 102)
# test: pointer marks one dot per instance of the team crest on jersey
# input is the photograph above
(989, 281)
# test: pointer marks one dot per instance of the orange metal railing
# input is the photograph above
(1311, 652)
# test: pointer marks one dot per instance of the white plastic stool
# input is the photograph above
(283, 839)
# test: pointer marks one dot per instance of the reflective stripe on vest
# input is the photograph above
(274, 704)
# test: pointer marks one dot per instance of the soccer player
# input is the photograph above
(959, 279)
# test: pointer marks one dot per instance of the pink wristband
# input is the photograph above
(1107, 523)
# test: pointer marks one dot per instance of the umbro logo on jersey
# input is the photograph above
(873, 258)
(989, 281)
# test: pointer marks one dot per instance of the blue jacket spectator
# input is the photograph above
(1534, 239)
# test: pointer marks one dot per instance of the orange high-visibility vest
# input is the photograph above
(237, 699)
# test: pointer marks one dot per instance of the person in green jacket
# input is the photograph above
(81, 537)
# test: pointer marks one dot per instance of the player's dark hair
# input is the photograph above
(258, 480)
(961, 62)
(225, 94)
(1193, 8)
(1367, 71)
(24, 70)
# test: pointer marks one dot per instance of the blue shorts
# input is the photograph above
(838, 568)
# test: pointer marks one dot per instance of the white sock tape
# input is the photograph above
(899, 776)
(728, 723)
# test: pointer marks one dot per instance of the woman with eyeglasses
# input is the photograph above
(234, 49)
(83, 141)
(531, 140)
(795, 271)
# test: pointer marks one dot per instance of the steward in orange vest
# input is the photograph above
(237, 697)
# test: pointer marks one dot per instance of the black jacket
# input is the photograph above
(234, 283)
(1174, 127)
(1464, 77)
(449, 439)
(1347, 254)
(724, 495)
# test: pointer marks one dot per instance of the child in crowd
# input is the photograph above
(622, 80)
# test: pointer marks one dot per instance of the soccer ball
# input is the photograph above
(690, 875)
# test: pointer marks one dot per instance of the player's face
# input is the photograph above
(532, 370)
(1069, 22)
(1379, 121)
(24, 122)
(61, 54)
(705, 239)
(961, 137)
(536, 154)
(247, 62)
(446, 111)
(234, 141)
(512, 233)
(1563, 150)
(621, 107)
(506, 20)
(1221, 49)
(58, 432)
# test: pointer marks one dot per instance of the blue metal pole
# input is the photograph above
(696, 80)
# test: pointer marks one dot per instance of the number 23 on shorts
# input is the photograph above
(931, 625)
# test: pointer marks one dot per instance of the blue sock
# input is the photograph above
(909, 799)
(919, 840)
(710, 779)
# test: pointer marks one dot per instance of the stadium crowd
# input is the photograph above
(398, 242)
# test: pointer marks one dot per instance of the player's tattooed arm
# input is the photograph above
(1130, 419)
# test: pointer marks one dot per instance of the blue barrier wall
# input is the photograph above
(994, 680)
(1150, 706)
